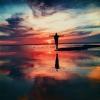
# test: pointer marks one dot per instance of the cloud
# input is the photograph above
(14, 30)
(15, 19)
(70, 19)
(49, 7)
(72, 22)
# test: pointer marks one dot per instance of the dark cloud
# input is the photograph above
(65, 3)
(68, 3)
(87, 27)
(89, 39)
(15, 19)
(80, 33)
(48, 7)
(5, 2)
(15, 29)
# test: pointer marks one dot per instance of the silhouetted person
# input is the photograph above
(57, 62)
(56, 36)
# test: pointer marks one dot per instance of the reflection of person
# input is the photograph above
(57, 62)
(56, 36)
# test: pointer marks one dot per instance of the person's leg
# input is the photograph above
(57, 45)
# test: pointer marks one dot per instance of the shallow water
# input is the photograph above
(40, 73)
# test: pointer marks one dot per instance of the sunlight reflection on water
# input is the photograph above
(32, 59)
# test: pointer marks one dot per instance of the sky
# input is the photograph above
(77, 21)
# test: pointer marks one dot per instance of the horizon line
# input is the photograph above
(15, 44)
